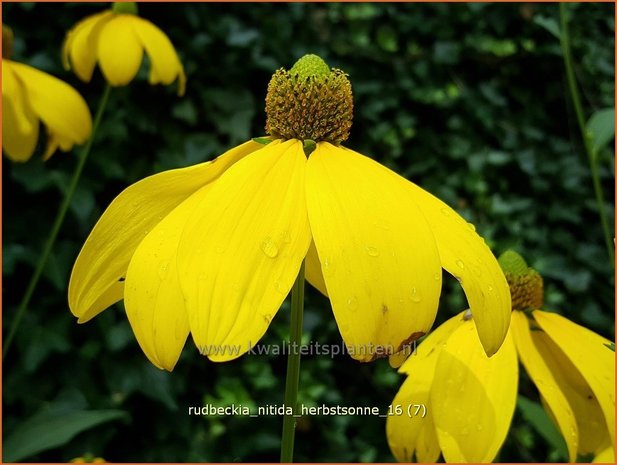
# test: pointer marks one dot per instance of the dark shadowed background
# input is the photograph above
(467, 100)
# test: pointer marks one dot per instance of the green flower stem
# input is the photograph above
(591, 152)
(293, 367)
(83, 156)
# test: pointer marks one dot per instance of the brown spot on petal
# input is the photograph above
(410, 339)
(384, 309)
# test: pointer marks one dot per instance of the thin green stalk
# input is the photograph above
(293, 367)
(83, 156)
(578, 108)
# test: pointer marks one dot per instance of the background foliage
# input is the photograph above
(469, 101)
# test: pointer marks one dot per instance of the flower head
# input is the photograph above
(30, 96)
(470, 398)
(117, 39)
(214, 249)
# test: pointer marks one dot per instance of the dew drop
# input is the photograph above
(280, 287)
(352, 303)
(479, 427)
(471, 227)
(476, 270)
(372, 251)
(437, 276)
(202, 276)
(163, 267)
(490, 288)
(269, 247)
(460, 264)
(220, 249)
(445, 211)
(415, 295)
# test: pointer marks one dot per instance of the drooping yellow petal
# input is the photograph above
(20, 128)
(473, 396)
(63, 111)
(605, 456)
(152, 296)
(465, 255)
(242, 248)
(119, 50)
(415, 437)
(97, 280)
(378, 256)
(541, 373)
(313, 270)
(590, 354)
(165, 64)
(79, 50)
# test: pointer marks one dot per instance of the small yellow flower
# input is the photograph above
(215, 248)
(117, 39)
(30, 96)
(470, 398)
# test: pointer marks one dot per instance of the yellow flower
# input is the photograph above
(117, 39)
(30, 96)
(470, 398)
(214, 249)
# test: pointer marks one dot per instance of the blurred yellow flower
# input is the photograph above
(215, 248)
(117, 39)
(470, 398)
(30, 96)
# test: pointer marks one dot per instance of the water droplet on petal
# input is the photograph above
(163, 267)
(202, 276)
(269, 247)
(437, 276)
(471, 227)
(352, 303)
(460, 264)
(490, 288)
(280, 287)
(479, 427)
(372, 251)
(415, 295)
(445, 211)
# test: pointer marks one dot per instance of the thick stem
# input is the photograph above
(293, 367)
(578, 108)
(49, 245)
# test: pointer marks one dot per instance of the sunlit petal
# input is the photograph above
(165, 64)
(242, 248)
(590, 354)
(313, 270)
(97, 280)
(20, 128)
(540, 372)
(119, 50)
(465, 255)
(79, 50)
(378, 256)
(473, 396)
(63, 111)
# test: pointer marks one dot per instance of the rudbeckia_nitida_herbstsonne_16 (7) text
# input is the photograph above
(214, 249)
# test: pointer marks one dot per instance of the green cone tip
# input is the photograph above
(513, 263)
(310, 65)
(127, 8)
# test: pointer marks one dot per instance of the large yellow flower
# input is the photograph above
(214, 249)
(117, 39)
(30, 96)
(470, 398)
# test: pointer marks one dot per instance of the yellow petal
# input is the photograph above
(415, 437)
(79, 50)
(377, 255)
(152, 297)
(605, 456)
(465, 255)
(165, 64)
(20, 127)
(473, 396)
(590, 355)
(63, 111)
(541, 373)
(119, 50)
(98, 274)
(242, 248)
(313, 270)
